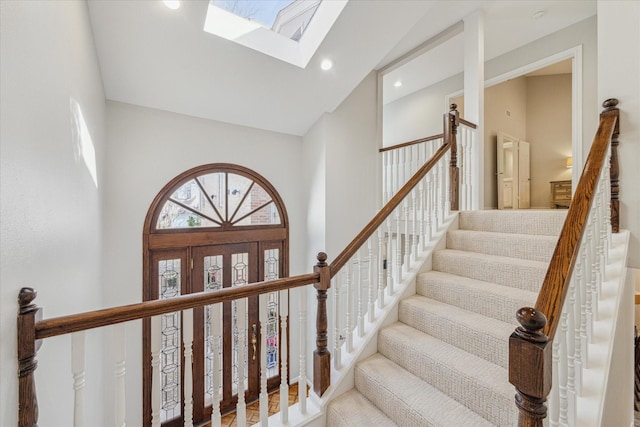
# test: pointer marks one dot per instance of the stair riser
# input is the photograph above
(495, 406)
(535, 248)
(500, 271)
(493, 348)
(475, 298)
(547, 223)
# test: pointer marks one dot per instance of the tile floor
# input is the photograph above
(253, 409)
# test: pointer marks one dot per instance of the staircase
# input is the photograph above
(444, 363)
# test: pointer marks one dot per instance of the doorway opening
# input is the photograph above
(212, 227)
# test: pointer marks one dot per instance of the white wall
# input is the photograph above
(49, 203)
(549, 132)
(618, 71)
(148, 148)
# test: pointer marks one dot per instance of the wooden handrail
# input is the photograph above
(468, 123)
(556, 282)
(109, 316)
(530, 345)
(409, 143)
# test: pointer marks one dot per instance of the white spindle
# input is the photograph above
(216, 332)
(571, 354)
(562, 367)
(577, 314)
(264, 396)
(302, 379)
(77, 369)
(349, 307)
(421, 208)
(187, 339)
(371, 273)
(156, 387)
(241, 327)
(383, 264)
(414, 220)
(283, 301)
(398, 266)
(119, 354)
(391, 255)
(360, 294)
(337, 337)
(407, 237)
(554, 395)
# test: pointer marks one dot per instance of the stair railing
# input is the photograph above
(400, 162)
(359, 277)
(549, 351)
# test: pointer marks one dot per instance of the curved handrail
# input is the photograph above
(109, 316)
(410, 143)
(556, 282)
(530, 346)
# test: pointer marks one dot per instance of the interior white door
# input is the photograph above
(524, 175)
(500, 170)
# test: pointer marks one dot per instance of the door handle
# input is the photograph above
(254, 339)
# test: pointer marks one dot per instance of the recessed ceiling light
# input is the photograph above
(326, 64)
(539, 14)
(397, 84)
(172, 4)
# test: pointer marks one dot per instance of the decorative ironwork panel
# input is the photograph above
(271, 272)
(169, 280)
(213, 270)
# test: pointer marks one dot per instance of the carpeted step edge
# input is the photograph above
(480, 385)
(407, 400)
(524, 221)
(525, 246)
(352, 409)
(486, 298)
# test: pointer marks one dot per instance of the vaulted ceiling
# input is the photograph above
(160, 58)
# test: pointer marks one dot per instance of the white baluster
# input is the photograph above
(216, 337)
(156, 386)
(398, 266)
(400, 171)
(391, 255)
(577, 314)
(382, 266)
(349, 308)
(284, 372)
(371, 273)
(571, 353)
(360, 294)
(241, 327)
(302, 379)
(590, 285)
(407, 237)
(436, 198)
(554, 396)
(119, 354)
(77, 369)
(423, 229)
(562, 371)
(264, 396)
(584, 290)
(337, 351)
(385, 176)
(187, 340)
(414, 220)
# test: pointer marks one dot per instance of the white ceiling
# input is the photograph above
(159, 58)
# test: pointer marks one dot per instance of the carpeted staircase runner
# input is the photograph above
(445, 362)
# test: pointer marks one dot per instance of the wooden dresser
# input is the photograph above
(560, 194)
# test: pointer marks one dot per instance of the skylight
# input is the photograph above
(289, 30)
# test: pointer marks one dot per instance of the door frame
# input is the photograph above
(183, 240)
(577, 67)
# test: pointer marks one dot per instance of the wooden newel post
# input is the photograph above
(322, 356)
(610, 110)
(451, 129)
(530, 366)
(28, 347)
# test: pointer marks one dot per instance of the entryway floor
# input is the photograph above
(253, 409)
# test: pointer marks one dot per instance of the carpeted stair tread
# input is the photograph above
(524, 221)
(515, 272)
(407, 400)
(482, 336)
(352, 409)
(480, 385)
(486, 298)
(524, 246)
